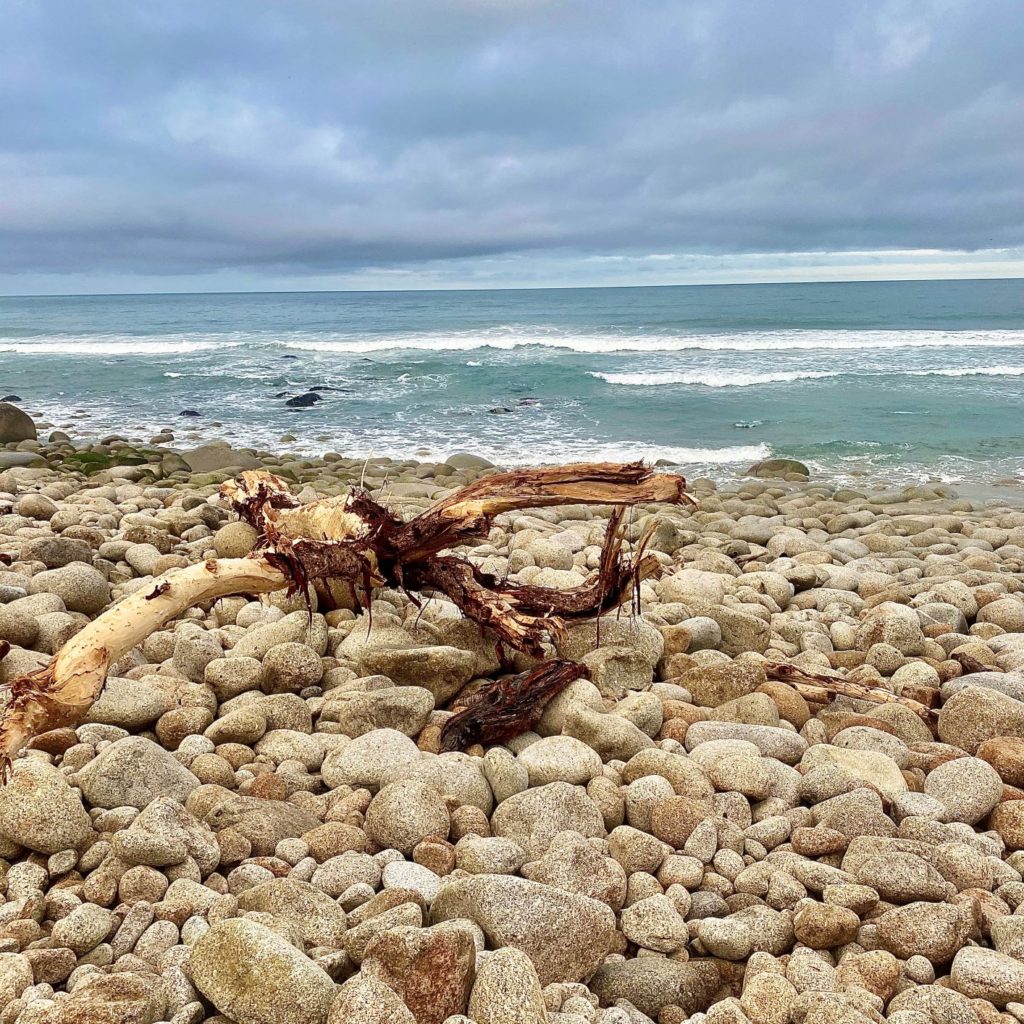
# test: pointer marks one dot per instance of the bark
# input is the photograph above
(348, 546)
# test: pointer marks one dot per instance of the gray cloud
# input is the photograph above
(314, 137)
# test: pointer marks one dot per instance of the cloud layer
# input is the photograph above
(315, 138)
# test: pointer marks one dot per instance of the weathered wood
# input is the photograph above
(821, 688)
(354, 544)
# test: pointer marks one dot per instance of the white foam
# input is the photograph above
(722, 379)
(97, 345)
(629, 451)
(971, 371)
(511, 337)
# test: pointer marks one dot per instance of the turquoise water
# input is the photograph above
(905, 379)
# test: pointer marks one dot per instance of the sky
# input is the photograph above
(247, 145)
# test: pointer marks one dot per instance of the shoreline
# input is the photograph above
(173, 452)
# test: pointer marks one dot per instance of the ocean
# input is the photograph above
(907, 381)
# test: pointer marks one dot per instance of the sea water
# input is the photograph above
(907, 380)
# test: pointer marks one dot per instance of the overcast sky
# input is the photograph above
(234, 144)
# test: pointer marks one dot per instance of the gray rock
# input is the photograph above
(652, 983)
(533, 818)
(967, 787)
(254, 976)
(15, 425)
(81, 587)
(217, 456)
(560, 759)
(55, 552)
(39, 810)
(441, 670)
(781, 744)
(130, 703)
(402, 708)
(366, 760)
(132, 772)
(565, 935)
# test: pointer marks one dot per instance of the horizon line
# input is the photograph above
(503, 288)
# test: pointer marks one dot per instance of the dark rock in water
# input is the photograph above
(774, 468)
(11, 398)
(281, 394)
(188, 412)
(304, 401)
(499, 409)
(528, 401)
(15, 425)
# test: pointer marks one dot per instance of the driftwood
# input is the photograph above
(820, 688)
(343, 548)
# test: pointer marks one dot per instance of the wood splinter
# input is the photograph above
(348, 546)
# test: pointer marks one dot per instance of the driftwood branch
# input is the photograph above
(820, 688)
(352, 545)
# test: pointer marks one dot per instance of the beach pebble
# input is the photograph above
(290, 667)
(81, 587)
(533, 818)
(253, 976)
(560, 759)
(507, 990)
(968, 788)
(565, 935)
(364, 1000)
(404, 813)
(987, 974)
(40, 810)
(367, 759)
(132, 772)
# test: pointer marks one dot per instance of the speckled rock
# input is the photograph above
(132, 772)
(560, 759)
(652, 983)
(365, 760)
(318, 918)
(932, 930)
(254, 976)
(432, 969)
(968, 788)
(976, 714)
(507, 990)
(368, 1001)
(39, 810)
(986, 974)
(534, 817)
(565, 935)
(405, 813)
(81, 587)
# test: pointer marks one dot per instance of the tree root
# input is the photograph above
(509, 706)
(352, 544)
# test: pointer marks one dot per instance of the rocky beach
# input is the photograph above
(256, 825)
